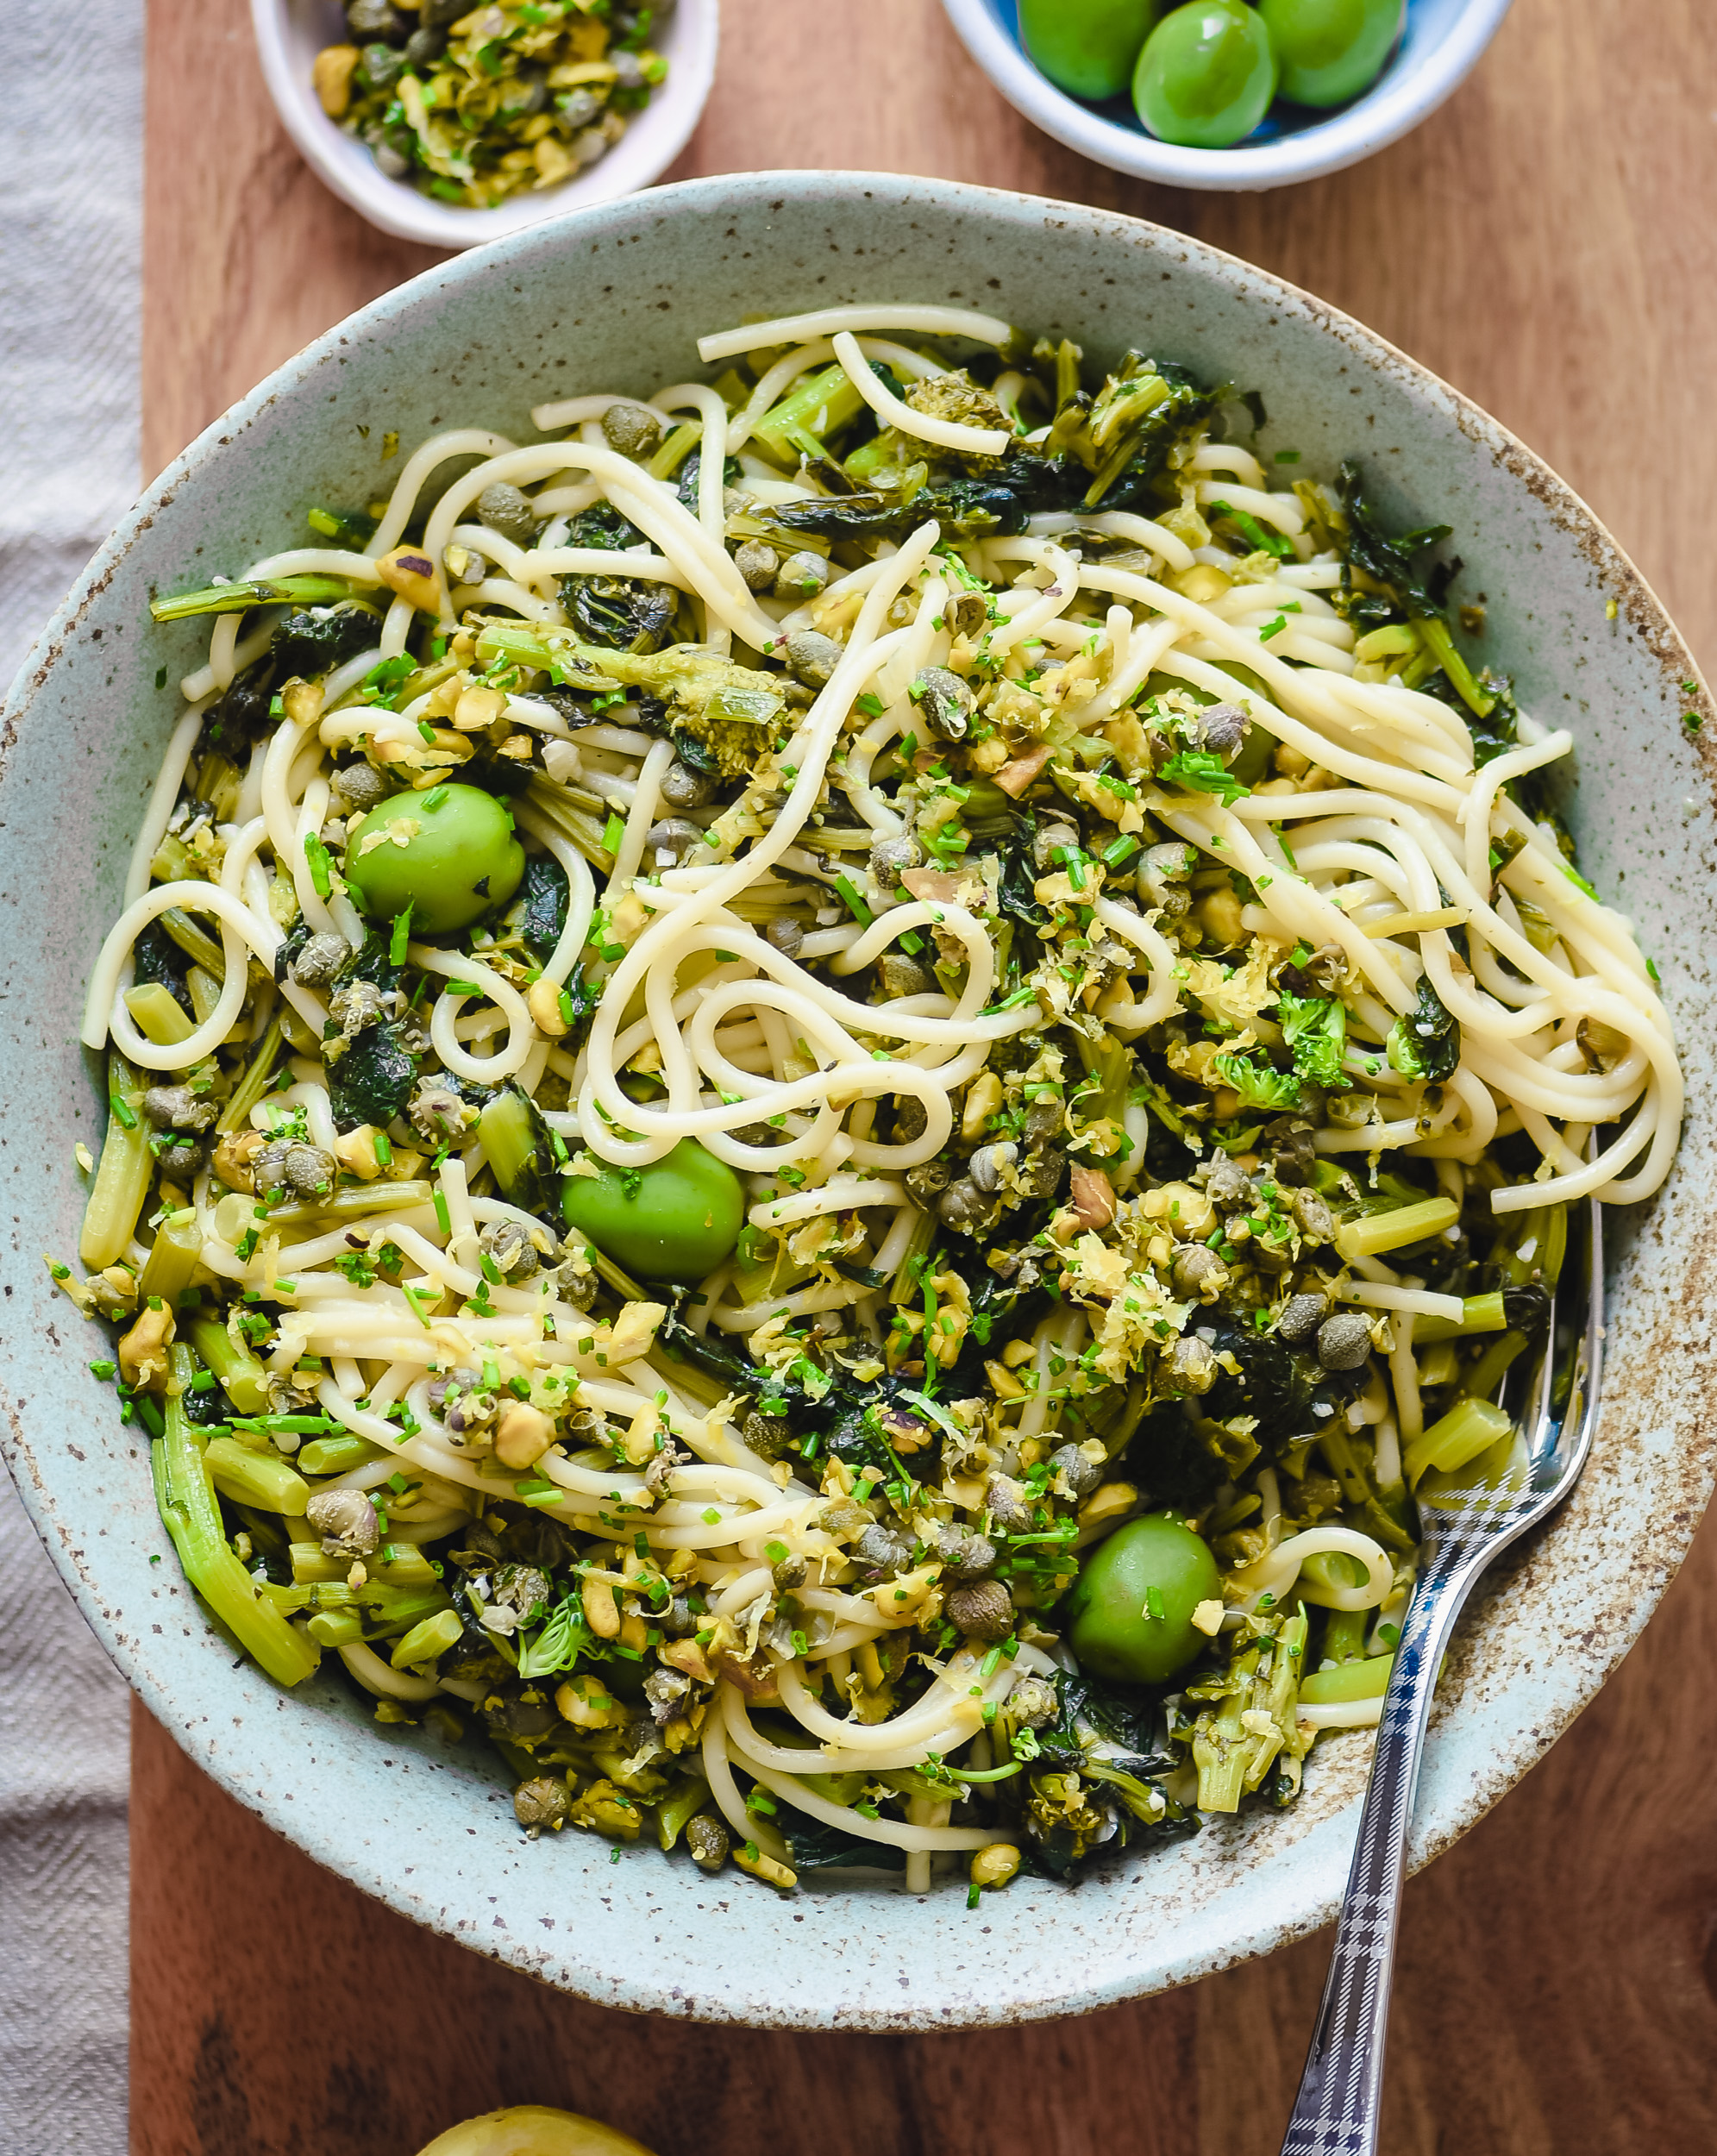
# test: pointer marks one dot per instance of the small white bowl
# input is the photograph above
(291, 33)
(1442, 44)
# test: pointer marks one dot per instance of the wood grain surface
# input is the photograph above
(1548, 242)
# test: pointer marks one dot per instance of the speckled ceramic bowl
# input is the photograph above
(614, 296)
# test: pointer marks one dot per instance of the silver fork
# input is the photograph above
(1340, 2091)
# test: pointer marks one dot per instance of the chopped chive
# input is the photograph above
(426, 732)
(612, 832)
(321, 874)
(123, 1111)
(383, 1144)
(399, 936)
(442, 1219)
(856, 906)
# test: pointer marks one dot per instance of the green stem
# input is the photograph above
(1343, 1638)
(238, 599)
(1478, 1313)
(186, 1499)
(173, 1256)
(121, 1181)
(1442, 644)
(201, 949)
(243, 1378)
(674, 451)
(258, 1074)
(1471, 1426)
(1365, 1678)
(335, 1455)
(1370, 1236)
(678, 1806)
(429, 1638)
(821, 405)
(256, 1478)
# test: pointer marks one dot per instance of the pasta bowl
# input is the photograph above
(615, 297)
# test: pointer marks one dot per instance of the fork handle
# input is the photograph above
(1337, 2112)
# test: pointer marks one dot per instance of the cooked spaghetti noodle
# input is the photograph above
(893, 1050)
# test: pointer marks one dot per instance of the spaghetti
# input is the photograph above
(893, 1050)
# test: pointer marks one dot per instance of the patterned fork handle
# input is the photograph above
(1336, 2113)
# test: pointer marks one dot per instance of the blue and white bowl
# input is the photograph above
(1441, 45)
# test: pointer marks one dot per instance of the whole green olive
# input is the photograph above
(1131, 1606)
(1086, 47)
(449, 854)
(676, 1219)
(1207, 75)
(1330, 50)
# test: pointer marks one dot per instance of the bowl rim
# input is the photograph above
(1128, 1970)
(654, 138)
(1382, 115)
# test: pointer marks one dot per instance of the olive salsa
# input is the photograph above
(473, 104)
(826, 1093)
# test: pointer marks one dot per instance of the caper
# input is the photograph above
(802, 576)
(633, 429)
(758, 563)
(505, 509)
(811, 656)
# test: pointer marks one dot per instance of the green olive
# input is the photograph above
(1086, 47)
(449, 854)
(1330, 50)
(1207, 75)
(676, 1219)
(1131, 1606)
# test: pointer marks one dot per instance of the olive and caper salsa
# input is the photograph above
(472, 105)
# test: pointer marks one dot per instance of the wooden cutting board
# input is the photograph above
(1549, 243)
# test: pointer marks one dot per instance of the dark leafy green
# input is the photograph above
(1127, 1716)
(1017, 894)
(521, 1152)
(539, 913)
(603, 526)
(816, 1847)
(161, 961)
(314, 640)
(242, 715)
(1389, 560)
(1426, 1043)
(620, 613)
(372, 1080)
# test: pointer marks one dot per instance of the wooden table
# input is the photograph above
(1549, 242)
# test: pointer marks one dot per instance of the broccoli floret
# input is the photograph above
(729, 709)
(1250, 1731)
